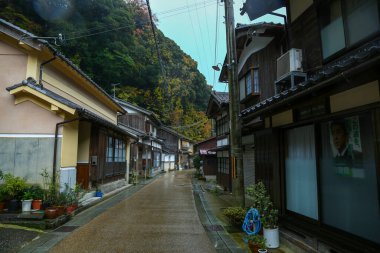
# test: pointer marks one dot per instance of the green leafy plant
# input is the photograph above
(270, 218)
(235, 214)
(14, 186)
(257, 239)
(133, 179)
(51, 188)
(262, 202)
(27, 195)
(3, 193)
(37, 191)
(72, 195)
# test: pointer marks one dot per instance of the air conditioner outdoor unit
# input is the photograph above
(288, 62)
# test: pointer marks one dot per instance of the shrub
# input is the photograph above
(235, 214)
(263, 203)
(14, 186)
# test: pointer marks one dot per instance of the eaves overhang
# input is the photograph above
(352, 63)
(29, 90)
(29, 40)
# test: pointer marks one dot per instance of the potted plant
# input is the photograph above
(270, 226)
(61, 202)
(26, 200)
(13, 188)
(38, 194)
(255, 243)
(2, 197)
(73, 196)
(50, 198)
(268, 214)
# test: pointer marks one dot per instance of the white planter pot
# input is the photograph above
(272, 239)
(26, 205)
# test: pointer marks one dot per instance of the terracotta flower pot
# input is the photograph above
(36, 204)
(51, 213)
(60, 210)
(70, 209)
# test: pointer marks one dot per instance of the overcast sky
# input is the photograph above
(192, 24)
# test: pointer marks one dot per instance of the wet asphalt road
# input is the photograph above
(12, 238)
(161, 217)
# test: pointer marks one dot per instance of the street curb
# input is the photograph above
(213, 226)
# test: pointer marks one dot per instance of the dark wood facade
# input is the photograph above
(101, 169)
(206, 151)
(322, 199)
(264, 62)
(218, 110)
(133, 120)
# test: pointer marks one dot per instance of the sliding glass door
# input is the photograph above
(300, 172)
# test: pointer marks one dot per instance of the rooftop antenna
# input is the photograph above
(114, 88)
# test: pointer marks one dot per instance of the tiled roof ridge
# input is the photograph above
(59, 54)
(366, 52)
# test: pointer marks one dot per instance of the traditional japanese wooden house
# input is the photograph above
(257, 46)
(54, 117)
(217, 110)
(205, 149)
(321, 127)
(147, 151)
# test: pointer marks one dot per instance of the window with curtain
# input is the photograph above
(115, 150)
(242, 88)
(109, 156)
(344, 23)
(256, 85)
(222, 126)
(156, 159)
(300, 169)
(223, 165)
(248, 83)
(348, 178)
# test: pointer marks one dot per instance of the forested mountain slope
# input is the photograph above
(112, 42)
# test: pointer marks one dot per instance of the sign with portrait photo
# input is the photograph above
(346, 147)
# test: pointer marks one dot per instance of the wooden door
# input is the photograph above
(83, 175)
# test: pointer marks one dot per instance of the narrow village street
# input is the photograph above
(161, 217)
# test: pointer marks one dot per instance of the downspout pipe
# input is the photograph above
(285, 26)
(56, 144)
(42, 67)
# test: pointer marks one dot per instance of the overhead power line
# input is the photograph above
(110, 28)
(184, 10)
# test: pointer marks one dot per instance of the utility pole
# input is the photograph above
(233, 90)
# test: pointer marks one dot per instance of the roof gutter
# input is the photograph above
(342, 75)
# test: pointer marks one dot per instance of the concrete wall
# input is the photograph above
(28, 156)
